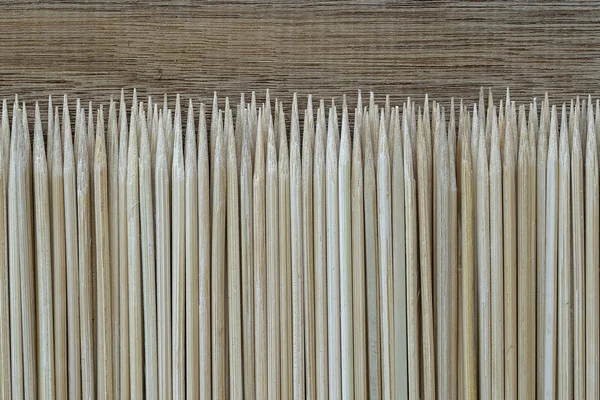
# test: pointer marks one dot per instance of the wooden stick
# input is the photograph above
(123, 254)
(260, 270)
(372, 264)
(5, 342)
(592, 260)
(285, 270)
(148, 259)
(308, 138)
(103, 308)
(233, 266)
(468, 279)
(453, 253)
(89, 139)
(218, 269)
(178, 257)
(163, 264)
(578, 260)
(320, 240)
(134, 261)
(192, 367)
(247, 256)
(550, 320)
(565, 276)
(5, 140)
(358, 259)
(43, 262)
(412, 273)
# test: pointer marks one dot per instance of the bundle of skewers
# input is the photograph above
(300, 251)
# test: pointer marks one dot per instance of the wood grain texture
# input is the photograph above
(92, 49)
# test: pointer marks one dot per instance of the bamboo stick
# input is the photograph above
(233, 261)
(592, 260)
(372, 264)
(296, 253)
(178, 257)
(16, 332)
(412, 310)
(5, 342)
(148, 260)
(577, 196)
(218, 284)
(468, 278)
(308, 138)
(83, 243)
(550, 324)
(260, 270)
(124, 378)
(453, 253)
(103, 276)
(565, 276)
(192, 367)
(286, 315)
(5, 140)
(345, 248)
(72, 263)
(134, 277)
(89, 139)
(44, 263)
(320, 242)
(163, 263)
(358, 259)
(204, 270)
(26, 254)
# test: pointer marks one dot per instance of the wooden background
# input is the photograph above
(91, 49)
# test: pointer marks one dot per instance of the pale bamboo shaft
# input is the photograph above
(5, 333)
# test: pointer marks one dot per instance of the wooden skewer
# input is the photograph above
(345, 248)
(308, 138)
(148, 259)
(412, 310)
(453, 253)
(577, 197)
(103, 275)
(218, 268)
(358, 259)
(5, 140)
(233, 268)
(178, 257)
(285, 269)
(592, 260)
(372, 264)
(90, 142)
(192, 367)
(204, 270)
(320, 240)
(123, 254)
(496, 263)
(163, 264)
(297, 254)
(247, 255)
(134, 267)
(260, 270)
(550, 320)
(43, 262)
(5, 342)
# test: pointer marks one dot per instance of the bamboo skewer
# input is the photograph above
(358, 259)
(308, 138)
(178, 257)
(577, 196)
(297, 281)
(453, 254)
(565, 277)
(103, 275)
(5, 333)
(148, 259)
(260, 270)
(345, 248)
(320, 241)
(192, 366)
(44, 263)
(592, 260)
(204, 270)
(124, 369)
(285, 269)
(550, 324)
(163, 264)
